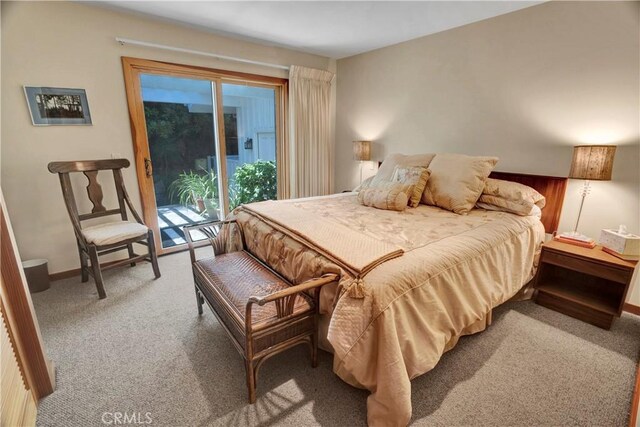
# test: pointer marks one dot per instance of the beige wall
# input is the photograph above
(72, 45)
(525, 86)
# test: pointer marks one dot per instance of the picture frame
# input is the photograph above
(50, 106)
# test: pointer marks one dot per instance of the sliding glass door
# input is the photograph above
(250, 142)
(204, 143)
(181, 125)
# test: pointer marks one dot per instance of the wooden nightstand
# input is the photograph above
(587, 284)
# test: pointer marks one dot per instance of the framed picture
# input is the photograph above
(57, 106)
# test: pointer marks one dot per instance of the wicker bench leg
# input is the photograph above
(251, 380)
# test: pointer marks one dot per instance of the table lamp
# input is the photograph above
(591, 163)
(362, 153)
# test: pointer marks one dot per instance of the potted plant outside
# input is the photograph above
(197, 189)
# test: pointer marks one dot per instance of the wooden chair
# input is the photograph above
(109, 237)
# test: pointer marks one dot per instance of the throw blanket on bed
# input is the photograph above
(353, 250)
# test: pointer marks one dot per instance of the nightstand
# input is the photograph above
(588, 284)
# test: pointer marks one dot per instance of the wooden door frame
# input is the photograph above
(21, 321)
(133, 67)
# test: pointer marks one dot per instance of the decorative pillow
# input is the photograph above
(457, 181)
(512, 191)
(392, 196)
(365, 184)
(416, 177)
(385, 172)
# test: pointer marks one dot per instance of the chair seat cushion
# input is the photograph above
(113, 232)
(237, 276)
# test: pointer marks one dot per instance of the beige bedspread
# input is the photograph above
(454, 270)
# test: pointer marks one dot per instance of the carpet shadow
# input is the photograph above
(286, 383)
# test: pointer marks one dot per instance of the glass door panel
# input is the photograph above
(250, 142)
(180, 118)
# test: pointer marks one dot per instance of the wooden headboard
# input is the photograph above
(551, 187)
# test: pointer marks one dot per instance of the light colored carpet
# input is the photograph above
(145, 350)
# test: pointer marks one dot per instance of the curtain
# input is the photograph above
(311, 145)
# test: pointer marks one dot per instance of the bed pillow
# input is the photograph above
(387, 195)
(512, 191)
(493, 203)
(535, 209)
(364, 184)
(457, 181)
(385, 172)
(416, 177)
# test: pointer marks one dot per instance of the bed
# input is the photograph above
(392, 316)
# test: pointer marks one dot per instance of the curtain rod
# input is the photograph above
(124, 41)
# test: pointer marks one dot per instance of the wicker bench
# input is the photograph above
(262, 312)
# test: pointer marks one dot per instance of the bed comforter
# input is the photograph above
(407, 311)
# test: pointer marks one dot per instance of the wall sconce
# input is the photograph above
(362, 153)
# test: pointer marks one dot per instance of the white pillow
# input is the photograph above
(385, 173)
(513, 191)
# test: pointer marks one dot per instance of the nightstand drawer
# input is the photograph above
(584, 266)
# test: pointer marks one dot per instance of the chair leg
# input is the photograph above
(251, 380)
(131, 253)
(314, 349)
(199, 300)
(97, 274)
(152, 254)
(84, 265)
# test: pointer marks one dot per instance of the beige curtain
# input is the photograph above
(311, 145)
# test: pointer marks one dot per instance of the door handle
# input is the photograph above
(148, 169)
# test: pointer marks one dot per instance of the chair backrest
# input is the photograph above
(90, 169)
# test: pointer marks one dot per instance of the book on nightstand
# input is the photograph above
(621, 256)
(575, 239)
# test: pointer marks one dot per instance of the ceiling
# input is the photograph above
(335, 29)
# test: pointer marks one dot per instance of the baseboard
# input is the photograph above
(73, 272)
(76, 271)
(630, 308)
(64, 274)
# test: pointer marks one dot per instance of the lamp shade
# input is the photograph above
(362, 150)
(593, 162)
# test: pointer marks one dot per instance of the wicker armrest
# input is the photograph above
(285, 299)
(211, 229)
(305, 286)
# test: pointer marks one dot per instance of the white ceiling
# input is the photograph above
(335, 29)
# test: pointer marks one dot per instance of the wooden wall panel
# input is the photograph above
(17, 406)
(20, 315)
